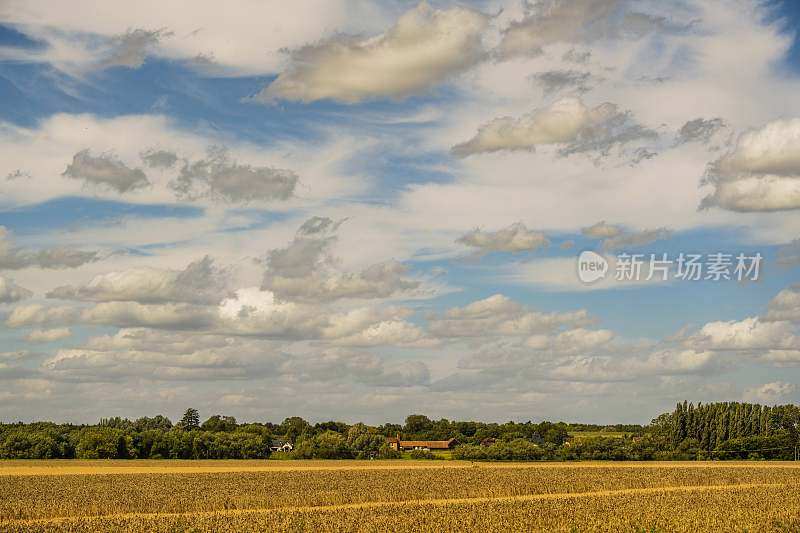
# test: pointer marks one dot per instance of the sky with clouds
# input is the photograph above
(359, 209)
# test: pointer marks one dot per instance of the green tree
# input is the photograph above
(190, 420)
(417, 424)
(293, 427)
(219, 423)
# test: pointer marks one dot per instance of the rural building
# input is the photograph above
(396, 443)
(280, 446)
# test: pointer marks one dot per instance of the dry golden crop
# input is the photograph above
(398, 496)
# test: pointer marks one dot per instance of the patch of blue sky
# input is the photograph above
(33, 91)
(643, 311)
(75, 212)
(391, 173)
(787, 14)
(12, 37)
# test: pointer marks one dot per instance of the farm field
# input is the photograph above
(397, 496)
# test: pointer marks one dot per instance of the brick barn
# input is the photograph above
(398, 444)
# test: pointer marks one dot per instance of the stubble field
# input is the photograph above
(397, 496)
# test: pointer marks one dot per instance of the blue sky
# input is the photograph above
(350, 206)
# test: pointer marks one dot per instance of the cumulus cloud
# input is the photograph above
(48, 335)
(159, 158)
(304, 271)
(700, 130)
(178, 316)
(663, 361)
(555, 81)
(601, 230)
(376, 281)
(13, 257)
(10, 292)
(572, 341)
(161, 355)
(160, 316)
(425, 47)
(387, 332)
(576, 21)
(105, 171)
(201, 282)
(568, 123)
(339, 364)
(219, 177)
(615, 237)
(770, 393)
(750, 334)
(499, 315)
(257, 313)
(175, 355)
(637, 238)
(785, 305)
(515, 238)
(760, 173)
(130, 49)
(39, 315)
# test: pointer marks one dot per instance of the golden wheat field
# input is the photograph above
(397, 496)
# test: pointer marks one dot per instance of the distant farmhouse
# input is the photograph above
(280, 446)
(397, 444)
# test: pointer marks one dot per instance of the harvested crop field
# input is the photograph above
(397, 496)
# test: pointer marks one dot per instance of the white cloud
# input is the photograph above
(425, 47)
(201, 282)
(218, 177)
(770, 393)
(105, 170)
(339, 364)
(760, 173)
(10, 292)
(601, 230)
(166, 316)
(616, 237)
(39, 315)
(785, 305)
(568, 122)
(48, 335)
(748, 334)
(700, 130)
(499, 315)
(247, 40)
(659, 363)
(103, 157)
(635, 239)
(578, 21)
(303, 270)
(386, 333)
(132, 47)
(514, 238)
(13, 257)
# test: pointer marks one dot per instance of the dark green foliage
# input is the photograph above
(716, 431)
(190, 420)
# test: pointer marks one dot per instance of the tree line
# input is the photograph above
(703, 431)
